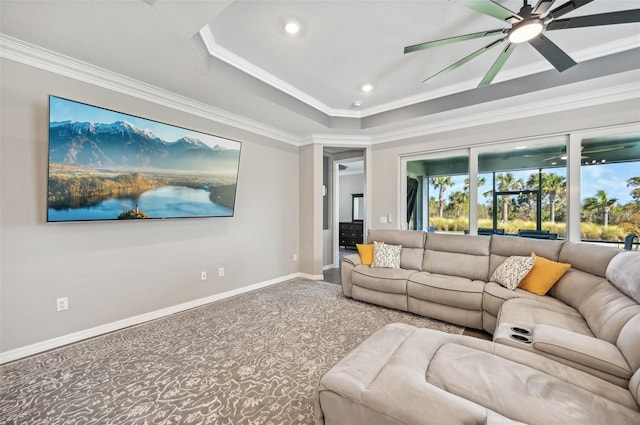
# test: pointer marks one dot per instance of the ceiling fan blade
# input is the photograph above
(542, 7)
(555, 55)
(450, 40)
(497, 65)
(490, 8)
(466, 59)
(568, 7)
(611, 18)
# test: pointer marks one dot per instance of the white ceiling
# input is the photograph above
(235, 56)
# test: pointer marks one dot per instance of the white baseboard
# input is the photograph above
(311, 276)
(329, 267)
(50, 344)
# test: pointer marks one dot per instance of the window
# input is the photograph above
(441, 188)
(584, 185)
(522, 190)
(610, 188)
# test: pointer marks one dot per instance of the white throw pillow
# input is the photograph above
(385, 255)
(512, 271)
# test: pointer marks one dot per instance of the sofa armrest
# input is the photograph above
(584, 349)
(347, 264)
(352, 259)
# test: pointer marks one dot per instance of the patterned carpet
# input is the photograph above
(251, 359)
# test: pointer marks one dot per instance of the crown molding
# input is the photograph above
(346, 140)
(255, 71)
(39, 57)
(523, 106)
(517, 107)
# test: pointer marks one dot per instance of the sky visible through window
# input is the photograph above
(612, 178)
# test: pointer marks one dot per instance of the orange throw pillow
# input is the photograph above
(543, 275)
(366, 253)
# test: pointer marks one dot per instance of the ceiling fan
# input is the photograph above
(529, 25)
(584, 153)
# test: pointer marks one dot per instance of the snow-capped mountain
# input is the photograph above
(123, 145)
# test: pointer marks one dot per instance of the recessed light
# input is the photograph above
(554, 163)
(367, 88)
(292, 27)
(357, 104)
(521, 147)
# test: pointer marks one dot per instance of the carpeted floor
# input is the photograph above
(251, 359)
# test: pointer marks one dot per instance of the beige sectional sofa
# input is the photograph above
(571, 356)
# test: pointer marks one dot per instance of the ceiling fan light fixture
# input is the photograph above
(292, 27)
(525, 30)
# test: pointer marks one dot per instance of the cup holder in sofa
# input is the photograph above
(520, 338)
(521, 331)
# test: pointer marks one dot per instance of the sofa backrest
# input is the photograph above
(623, 272)
(629, 342)
(503, 247)
(588, 268)
(600, 301)
(412, 242)
(588, 257)
(457, 255)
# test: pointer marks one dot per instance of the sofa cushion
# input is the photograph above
(543, 275)
(518, 391)
(366, 253)
(410, 376)
(607, 310)
(527, 313)
(386, 255)
(494, 295)
(385, 299)
(512, 271)
(412, 242)
(463, 244)
(590, 351)
(457, 255)
(381, 279)
(448, 290)
(574, 286)
(530, 315)
(623, 272)
(634, 386)
(629, 342)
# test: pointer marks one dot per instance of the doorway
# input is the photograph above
(345, 180)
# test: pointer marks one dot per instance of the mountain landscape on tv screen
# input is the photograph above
(117, 171)
(121, 145)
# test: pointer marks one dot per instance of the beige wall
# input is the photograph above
(115, 270)
(311, 233)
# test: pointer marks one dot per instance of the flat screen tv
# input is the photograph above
(107, 165)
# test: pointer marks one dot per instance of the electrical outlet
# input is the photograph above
(62, 304)
(203, 275)
(383, 219)
(295, 257)
(221, 272)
